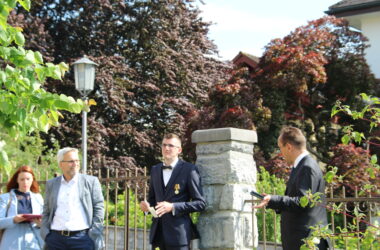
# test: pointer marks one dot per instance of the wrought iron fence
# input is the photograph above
(126, 226)
(351, 212)
(122, 196)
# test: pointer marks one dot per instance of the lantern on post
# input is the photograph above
(84, 72)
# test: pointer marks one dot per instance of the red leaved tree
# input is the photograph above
(154, 66)
(297, 81)
(355, 168)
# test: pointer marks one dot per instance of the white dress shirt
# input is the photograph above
(70, 214)
(167, 173)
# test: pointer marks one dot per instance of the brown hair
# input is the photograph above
(171, 136)
(12, 183)
(293, 136)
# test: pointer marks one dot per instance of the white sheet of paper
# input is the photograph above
(153, 212)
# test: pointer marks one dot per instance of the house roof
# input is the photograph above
(245, 58)
(353, 7)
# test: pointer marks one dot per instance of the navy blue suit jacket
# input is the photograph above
(295, 219)
(178, 229)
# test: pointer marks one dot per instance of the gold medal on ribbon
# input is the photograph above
(176, 188)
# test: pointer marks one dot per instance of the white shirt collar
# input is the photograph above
(299, 158)
(73, 180)
(173, 164)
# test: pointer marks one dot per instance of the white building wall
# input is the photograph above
(370, 27)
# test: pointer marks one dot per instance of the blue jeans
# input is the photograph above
(80, 241)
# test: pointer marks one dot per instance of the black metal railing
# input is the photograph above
(357, 210)
(126, 227)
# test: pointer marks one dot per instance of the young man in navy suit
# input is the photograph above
(306, 175)
(175, 191)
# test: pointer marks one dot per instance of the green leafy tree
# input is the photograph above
(368, 114)
(31, 151)
(366, 169)
(356, 160)
(25, 107)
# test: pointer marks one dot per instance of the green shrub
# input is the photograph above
(269, 184)
(116, 213)
(134, 211)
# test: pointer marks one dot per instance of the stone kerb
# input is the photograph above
(228, 171)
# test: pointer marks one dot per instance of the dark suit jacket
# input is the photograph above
(296, 220)
(90, 193)
(177, 230)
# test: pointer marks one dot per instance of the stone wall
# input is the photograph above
(118, 242)
(228, 171)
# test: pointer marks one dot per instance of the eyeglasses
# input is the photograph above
(169, 145)
(72, 161)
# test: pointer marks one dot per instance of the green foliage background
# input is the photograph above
(116, 214)
(25, 107)
(117, 217)
(269, 184)
(31, 151)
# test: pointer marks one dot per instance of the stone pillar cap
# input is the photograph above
(224, 134)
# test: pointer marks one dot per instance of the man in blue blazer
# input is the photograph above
(306, 175)
(73, 211)
(174, 192)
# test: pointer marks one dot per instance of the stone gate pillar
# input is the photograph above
(228, 171)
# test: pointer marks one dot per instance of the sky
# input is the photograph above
(249, 25)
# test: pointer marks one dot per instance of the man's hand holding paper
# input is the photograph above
(145, 207)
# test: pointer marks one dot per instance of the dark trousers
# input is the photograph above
(163, 247)
(159, 241)
(323, 244)
(79, 241)
(295, 243)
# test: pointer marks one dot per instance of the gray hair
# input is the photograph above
(64, 151)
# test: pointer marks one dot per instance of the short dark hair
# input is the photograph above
(171, 136)
(293, 136)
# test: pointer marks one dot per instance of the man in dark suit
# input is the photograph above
(174, 192)
(306, 175)
(73, 210)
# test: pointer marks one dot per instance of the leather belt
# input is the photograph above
(69, 233)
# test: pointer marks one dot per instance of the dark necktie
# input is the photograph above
(292, 172)
(167, 167)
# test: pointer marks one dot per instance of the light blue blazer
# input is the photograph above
(92, 200)
(19, 236)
